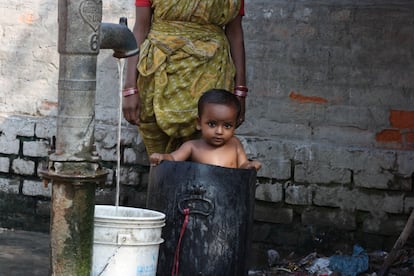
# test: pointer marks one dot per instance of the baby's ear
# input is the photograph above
(198, 127)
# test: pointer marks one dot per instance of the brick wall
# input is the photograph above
(330, 114)
(25, 143)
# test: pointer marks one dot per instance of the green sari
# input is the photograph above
(185, 54)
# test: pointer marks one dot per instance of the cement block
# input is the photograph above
(380, 202)
(36, 188)
(273, 214)
(4, 164)
(358, 199)
(297, 194)
(275, 158)
(383, 225)
(9, 145)
(13, 126)
(405, 163)
(335, 196)
(350, 135)
(315, 164)
(46, 127)
(23, 167)
(130, 156)
(107, 154)
(328, 217)
(130, 135)
(10, 186)
(106, 137)
(271, 192)
(317, 172)
(36, 148)
(136, 155)
(129, 176)
(375, 179)
(275, 168)
(408, 204)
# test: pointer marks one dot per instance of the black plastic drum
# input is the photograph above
(220, 203)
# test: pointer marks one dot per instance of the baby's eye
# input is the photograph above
(228, 125)
(211, 124)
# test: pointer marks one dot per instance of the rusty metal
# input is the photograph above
(74, 166)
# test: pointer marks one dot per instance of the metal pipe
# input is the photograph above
(74, 167)
(118, 38)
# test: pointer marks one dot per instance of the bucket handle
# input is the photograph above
(196, 205)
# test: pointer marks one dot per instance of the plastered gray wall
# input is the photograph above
(330, 114)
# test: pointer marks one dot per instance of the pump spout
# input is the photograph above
(118, 38)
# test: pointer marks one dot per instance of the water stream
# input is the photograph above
(121, 64)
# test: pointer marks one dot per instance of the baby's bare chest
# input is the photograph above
(225, 156)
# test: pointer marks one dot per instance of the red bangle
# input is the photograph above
(240, 93)
(241, 88)
(129, 91)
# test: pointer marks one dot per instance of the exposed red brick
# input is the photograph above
(409, 138)
(306, 99)
(402, 119)
(389, 135)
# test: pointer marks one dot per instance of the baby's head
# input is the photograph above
(221, 97)
(218, 111)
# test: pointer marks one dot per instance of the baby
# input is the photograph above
(218, 112)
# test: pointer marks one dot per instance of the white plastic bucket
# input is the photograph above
(126, 241)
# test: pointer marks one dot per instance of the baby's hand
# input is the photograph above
(251, 165)
(156, 159)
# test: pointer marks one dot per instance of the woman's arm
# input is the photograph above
(234, 33)
(131, 104)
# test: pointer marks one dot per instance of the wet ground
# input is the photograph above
(24, 253)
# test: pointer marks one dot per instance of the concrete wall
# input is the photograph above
(330, 115)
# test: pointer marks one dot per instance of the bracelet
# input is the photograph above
(240, 93)
(241, 88)
(129, 91)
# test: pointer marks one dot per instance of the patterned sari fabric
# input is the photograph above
(185, 54)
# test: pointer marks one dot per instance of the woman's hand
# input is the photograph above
(234, 33)
(131, 106)
(242, 101)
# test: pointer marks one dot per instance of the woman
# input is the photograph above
(186, 48)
